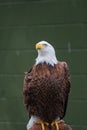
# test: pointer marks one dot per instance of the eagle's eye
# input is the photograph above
(45, 45)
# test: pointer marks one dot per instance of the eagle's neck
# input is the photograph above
(51, 60)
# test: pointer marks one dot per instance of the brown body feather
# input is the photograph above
(46, 90)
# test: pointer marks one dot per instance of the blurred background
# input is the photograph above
(23, 23)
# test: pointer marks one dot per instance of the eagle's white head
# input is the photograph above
(46, 53)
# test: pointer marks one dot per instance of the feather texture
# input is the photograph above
(46, 90)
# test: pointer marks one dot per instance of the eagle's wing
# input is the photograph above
(66, 85)
(27, 80)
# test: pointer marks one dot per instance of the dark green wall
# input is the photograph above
(25, 22)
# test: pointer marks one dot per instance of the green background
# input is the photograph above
(63, 23)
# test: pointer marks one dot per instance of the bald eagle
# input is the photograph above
(46, 86)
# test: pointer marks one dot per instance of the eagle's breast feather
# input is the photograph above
(46, 90)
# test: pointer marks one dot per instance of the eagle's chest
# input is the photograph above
(44, 70)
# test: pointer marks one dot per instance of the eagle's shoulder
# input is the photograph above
(62, 63)
(63, 70)
(63, 66)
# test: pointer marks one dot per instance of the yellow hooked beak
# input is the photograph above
(39, 46)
